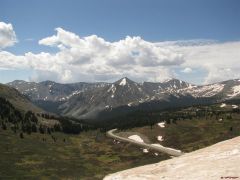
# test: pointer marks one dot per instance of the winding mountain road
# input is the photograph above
(162, 149)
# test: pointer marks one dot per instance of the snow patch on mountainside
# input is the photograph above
(223, 105)
(70, 95)
(235, 91)
(136, 138)
(123, 82)
(130, 104)
(160, 138)
(145, 151)
(112, 88)
(234, 106)
(161, 124)
(204, 91)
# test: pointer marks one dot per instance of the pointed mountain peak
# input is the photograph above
(124, 81)
(176, 84)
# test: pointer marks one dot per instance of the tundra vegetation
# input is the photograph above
(48, 146)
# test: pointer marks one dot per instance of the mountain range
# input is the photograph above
(104, 100)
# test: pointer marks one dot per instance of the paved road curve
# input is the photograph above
(162, 149)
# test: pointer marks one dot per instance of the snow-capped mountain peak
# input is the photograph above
(123, 82)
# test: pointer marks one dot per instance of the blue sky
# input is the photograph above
(152, 20)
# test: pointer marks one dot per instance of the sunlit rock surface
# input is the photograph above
(219, 161)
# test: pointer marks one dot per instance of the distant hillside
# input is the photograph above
(19, 100)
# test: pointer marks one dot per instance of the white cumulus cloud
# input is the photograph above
(187, 70)
(219, 60)
(97, 59)
(7, 35)
(93, 58)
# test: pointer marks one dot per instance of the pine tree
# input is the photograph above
(21, 135)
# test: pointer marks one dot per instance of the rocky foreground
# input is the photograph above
(219, 161)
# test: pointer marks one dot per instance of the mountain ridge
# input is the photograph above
(19, 100)
(88, 100)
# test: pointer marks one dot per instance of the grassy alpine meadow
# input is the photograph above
(89, 155)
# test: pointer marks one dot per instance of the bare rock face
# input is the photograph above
(219, 161)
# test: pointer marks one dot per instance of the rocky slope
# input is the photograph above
(219, 161)
(52, 91)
